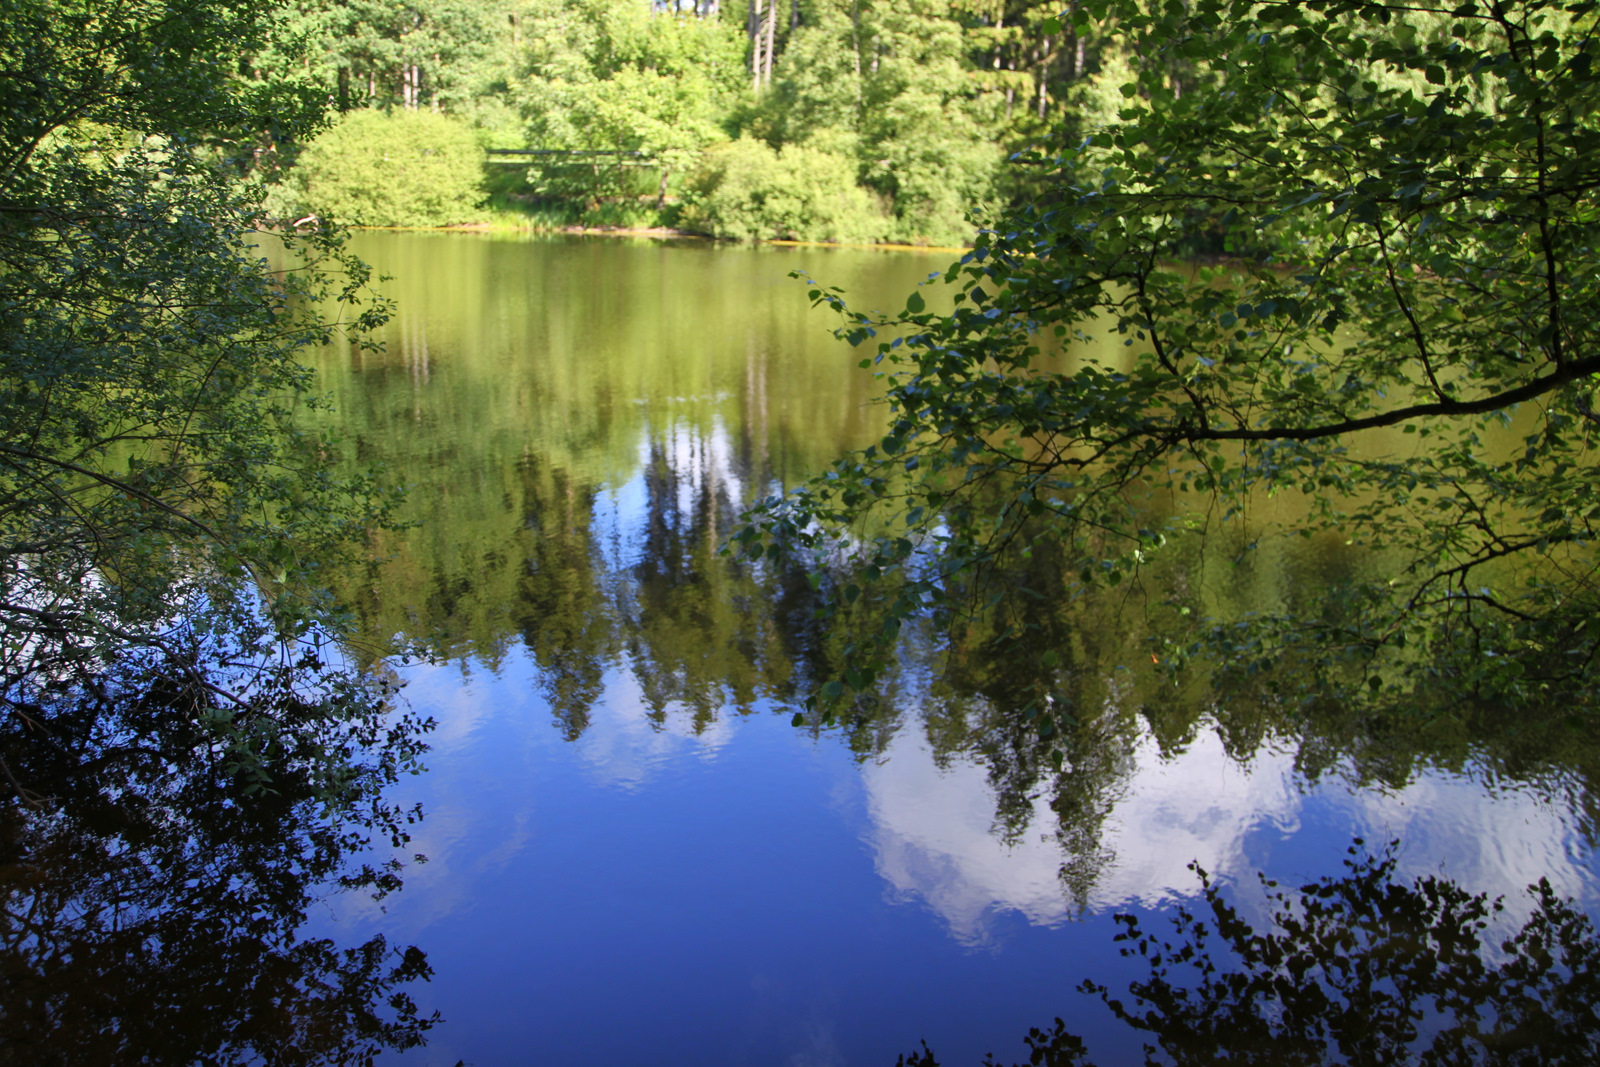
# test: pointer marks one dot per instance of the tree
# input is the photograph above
(154, 915)
(745, 190)
(609, 76)
(892, 86)
(428, 54)
(148, 370)
(163, 522)
(1358, 968)
(1351, 264)
(403, 168)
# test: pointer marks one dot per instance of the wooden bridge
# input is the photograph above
(569, 155)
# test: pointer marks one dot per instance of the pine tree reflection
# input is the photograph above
(701, 633)
(559, 607)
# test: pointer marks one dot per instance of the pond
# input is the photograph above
(634, 856)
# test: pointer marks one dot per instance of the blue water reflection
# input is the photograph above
(634, 858)
(666, 889)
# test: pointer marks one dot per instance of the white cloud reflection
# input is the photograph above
(932, 839)
(625, 748)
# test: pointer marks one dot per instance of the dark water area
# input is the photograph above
(633, 856)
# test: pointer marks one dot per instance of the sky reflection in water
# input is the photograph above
(743, 894)
(672, 887)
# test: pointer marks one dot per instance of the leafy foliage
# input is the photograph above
(1354, 969)
(607, 76)
(922, 97)
(401, 168)
(153, 907)
(428, 53)
(887, 85)
(1394, 348)
(745, 190)
(163, 529)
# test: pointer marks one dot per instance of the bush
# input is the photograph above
(403, 168)
(744, 189)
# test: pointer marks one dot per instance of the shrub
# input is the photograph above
(744, 189)
(403, 168)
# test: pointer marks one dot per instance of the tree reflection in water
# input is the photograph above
(153, 883)
(550, 561)
(1358, 969)
(573, 489)
(1355, 967)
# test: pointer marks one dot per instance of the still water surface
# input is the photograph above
(634, 857)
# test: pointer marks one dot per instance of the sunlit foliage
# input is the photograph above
(1388, 339)
(403, 168)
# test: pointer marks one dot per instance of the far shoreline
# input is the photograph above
(661, 233)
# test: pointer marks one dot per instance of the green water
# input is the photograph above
(517, 379)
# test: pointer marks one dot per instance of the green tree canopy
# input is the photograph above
(369, 54)
(891, 86)
(147, 355)
(398, 168)
(745, 189)
(1351, 261)
(609, 75)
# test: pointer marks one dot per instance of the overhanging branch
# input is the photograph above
(1564, 375)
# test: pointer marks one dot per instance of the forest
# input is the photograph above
(859, 121)
(1339, 259)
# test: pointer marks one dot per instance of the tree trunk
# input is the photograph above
(1046, 53)
(753, 30)
(772, 37)
(855, 37)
